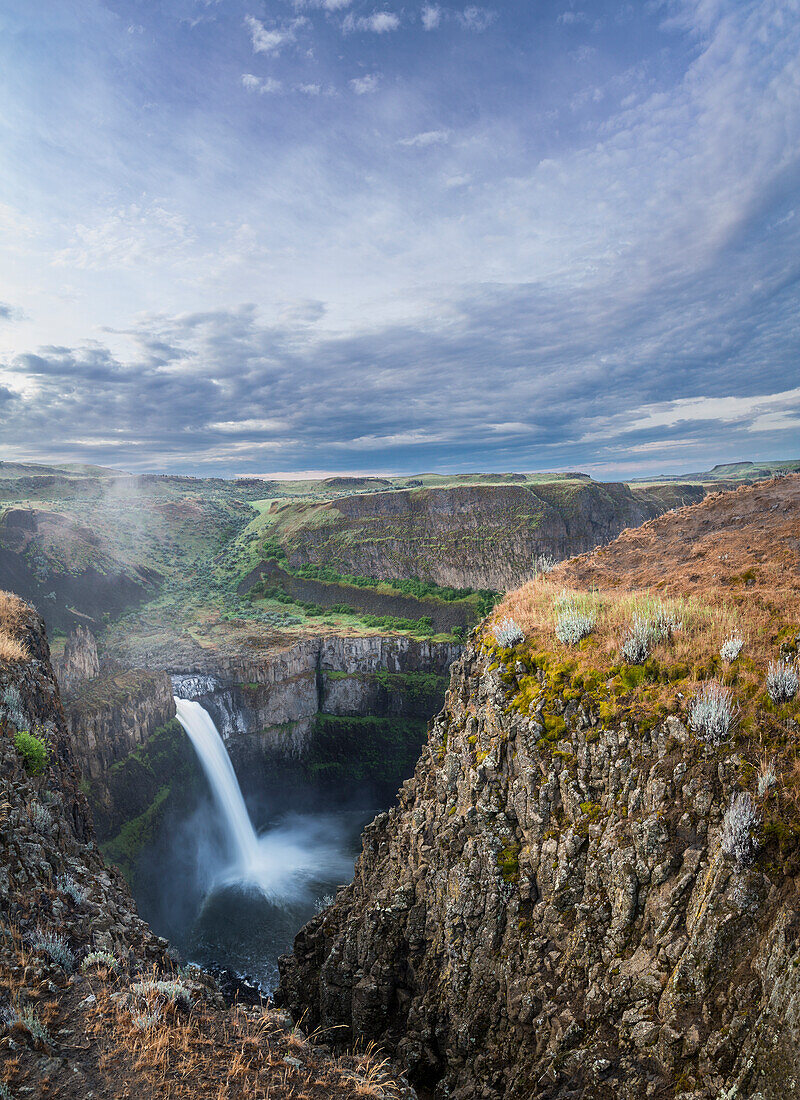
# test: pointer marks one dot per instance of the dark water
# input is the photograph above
(183, 887)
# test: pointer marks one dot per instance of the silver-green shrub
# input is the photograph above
(40, 817)
(54, 945)
(712, 713)
(782, 681)
(636, 643)
(11, 709)
(731, 648)
(543, 563)
(29, 1020)
(573, 623)
(99, 958)
(66, 884)
(144, 1021)
(767, 778)
(739, 829)
(652, 624)
(507, 633)
(174, 991)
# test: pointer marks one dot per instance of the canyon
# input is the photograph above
(548, 909)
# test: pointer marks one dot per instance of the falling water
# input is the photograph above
(224, 786)
(284, 861)
(228, 894)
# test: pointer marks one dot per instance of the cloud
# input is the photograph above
(325, 5)
(123, 237)
(363, 85)
(264, 85)
(431, 16)
(271, 40)
(569, 18)
(249, 427)
(380, 22)
(476, 19)
(617, 285)
(429, 137)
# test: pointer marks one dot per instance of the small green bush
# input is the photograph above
(33, 752)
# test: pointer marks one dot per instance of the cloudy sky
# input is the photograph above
(257, 236)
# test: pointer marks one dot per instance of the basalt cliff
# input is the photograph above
(476, 536)
(92, 1004)
(564, 902)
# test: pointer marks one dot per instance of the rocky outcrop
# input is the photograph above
(482, 537)
(268, 703)
(548, 913)
(78, 662)
(92, 1004)
(115, 713)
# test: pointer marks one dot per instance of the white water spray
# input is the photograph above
(283, 861)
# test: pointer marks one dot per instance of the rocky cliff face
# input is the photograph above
(471, 536)
(78, 662)
(115, 713)
(268, 703)
(548, 913)
(92, 1004)
(66, 569)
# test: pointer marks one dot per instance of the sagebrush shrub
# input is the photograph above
(543, 563)
(29, 1020)
(54, 945)
(636, 643)
(574, 619)
(767, 777)
(99, 958)
(653, 624)
(782, 681)
(11, 709)
(40, 817)
(174, 991)
(739, 829)
(731, 648)
(712, 713)
(66, 884)
(144, 1021)
(507, 633)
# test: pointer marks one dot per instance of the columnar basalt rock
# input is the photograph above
(266, 703)
(79, 661)
(115, 713)
(476, 536)
(542, 918)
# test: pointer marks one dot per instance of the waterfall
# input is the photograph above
(285, 861)
(223, 782)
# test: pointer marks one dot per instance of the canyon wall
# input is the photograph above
(471, 536)
(331, 712)
(548, 912)
(66, 569)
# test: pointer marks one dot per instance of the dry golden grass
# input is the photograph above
(11, 649)
(729, 565)
(190, 1052)
(14, 614)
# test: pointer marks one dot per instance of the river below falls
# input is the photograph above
(184, 891)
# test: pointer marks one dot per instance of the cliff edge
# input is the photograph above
(589, 888)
